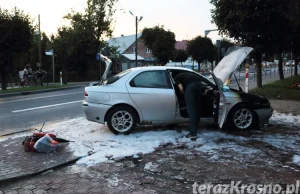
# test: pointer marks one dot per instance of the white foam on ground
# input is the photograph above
(296, 159)
(282, 118)
(89, 136)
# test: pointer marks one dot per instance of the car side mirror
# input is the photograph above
(225, 88)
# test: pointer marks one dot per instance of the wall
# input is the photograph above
(141, 49)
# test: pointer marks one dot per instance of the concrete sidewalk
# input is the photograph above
(15, 163)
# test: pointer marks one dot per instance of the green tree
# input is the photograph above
(160, 42)
(253, 23)
(201, 49)
(181, 56)
(226, 43)
(16, 31)
(33, 54)
(76, 46)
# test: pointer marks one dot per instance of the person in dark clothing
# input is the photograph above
(190, 86)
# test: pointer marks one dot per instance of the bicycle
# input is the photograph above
(15, 81)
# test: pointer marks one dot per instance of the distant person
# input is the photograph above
(25, 75)
(29, 69)
(40, 73)
(39, 70)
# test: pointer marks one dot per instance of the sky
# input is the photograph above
(186, 18)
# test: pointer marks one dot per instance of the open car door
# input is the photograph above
(221, 107)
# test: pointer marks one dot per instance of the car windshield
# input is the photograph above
(116, 77)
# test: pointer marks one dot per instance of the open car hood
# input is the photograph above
(227, 66)
(108, 64)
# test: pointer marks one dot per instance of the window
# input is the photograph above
(116, 77)
(133, 49)
(150, 79)
(147, 50)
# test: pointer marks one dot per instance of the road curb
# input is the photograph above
(40, 171)
(38, 91)
(16, 132)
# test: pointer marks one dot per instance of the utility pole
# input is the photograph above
(292, 58)
(136, 31)
(40, 47)
(53, 68)
(136, 39)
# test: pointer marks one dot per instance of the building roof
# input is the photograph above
(181, 45)
(132, 57)
(123, 42)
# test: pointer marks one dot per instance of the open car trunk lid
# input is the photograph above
(108, 64)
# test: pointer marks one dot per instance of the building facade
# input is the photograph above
(127, 48)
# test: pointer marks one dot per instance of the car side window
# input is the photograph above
(205, 81)
(150, 79)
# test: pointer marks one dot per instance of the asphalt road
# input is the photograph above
(30, 111)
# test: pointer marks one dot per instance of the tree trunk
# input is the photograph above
(296, 65)
(3, 77)
(198, 67)
(258, 59)
(280, 67)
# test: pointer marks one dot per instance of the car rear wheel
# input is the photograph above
(242, 118)
(121, 119)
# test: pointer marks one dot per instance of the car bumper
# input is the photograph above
(264, 115)
(95, 112)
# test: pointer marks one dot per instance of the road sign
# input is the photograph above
(218, 43)
(98, 57)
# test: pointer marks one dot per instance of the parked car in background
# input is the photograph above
(149, 95)
(290, 63)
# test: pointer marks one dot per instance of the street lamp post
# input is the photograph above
(51, 53)
(206, 32)
(136, 31)
(40, 40)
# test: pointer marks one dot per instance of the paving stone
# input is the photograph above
(25, 192)
(44, 186)
(82, 190)
(95, 190)
(29, 187)
(66, 191)
(11, 192)
(26, 163)
(67, 186)
(56, 186)
(40, 191)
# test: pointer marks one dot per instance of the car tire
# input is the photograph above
(121, 119)
(241, 118)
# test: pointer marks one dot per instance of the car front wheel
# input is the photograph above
(121, 119)
(242, 118)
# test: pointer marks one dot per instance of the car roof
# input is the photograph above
(159, 68)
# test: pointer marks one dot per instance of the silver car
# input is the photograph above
(290, 63)
(148, 95)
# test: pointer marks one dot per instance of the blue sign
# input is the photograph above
(106, 52)
(98, 57)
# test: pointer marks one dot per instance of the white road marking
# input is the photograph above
(41, 107)
(21, 100)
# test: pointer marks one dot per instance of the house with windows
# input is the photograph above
(126, 47)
